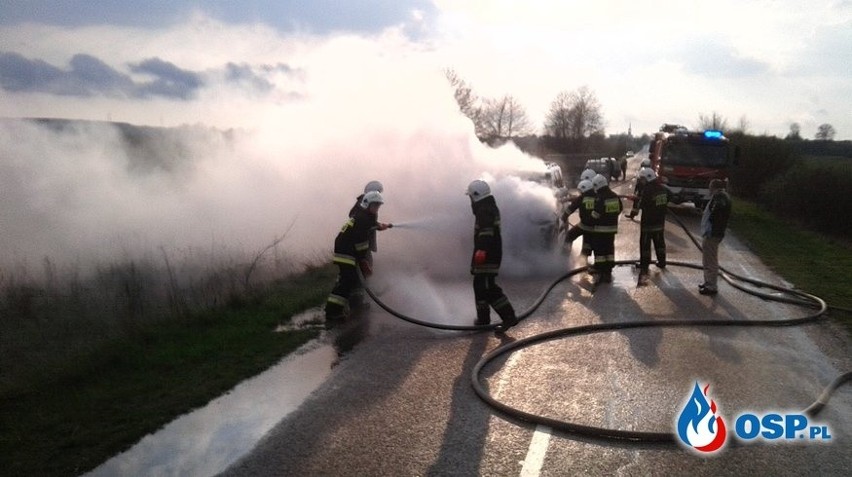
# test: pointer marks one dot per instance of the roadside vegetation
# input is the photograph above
(66, 416)
(813, 262)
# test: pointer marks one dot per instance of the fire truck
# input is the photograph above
(686, 161)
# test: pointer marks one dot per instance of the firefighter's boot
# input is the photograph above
(507, 314)
(483, 314)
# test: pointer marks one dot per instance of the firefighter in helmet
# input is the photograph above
(653, 203)
(637, 189)
(585, 200)
(602, 236)
(351, 247)
(487, 255)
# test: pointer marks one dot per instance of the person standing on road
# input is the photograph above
(608, 207)
(351, 247)
(487, 255)
(714, 221)
(654, 204)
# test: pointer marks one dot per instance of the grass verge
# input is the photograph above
(102, 403)
(812, 262)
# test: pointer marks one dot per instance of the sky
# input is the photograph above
(322, 98)
(769, 63)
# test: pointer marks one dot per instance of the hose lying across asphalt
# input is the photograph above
(791, 296)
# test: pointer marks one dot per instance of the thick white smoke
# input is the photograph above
(362, 113)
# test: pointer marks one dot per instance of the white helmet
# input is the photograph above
(647, 174)
(599, 182)
(478, 190)
(645, 163)
(374, 186)
(585, 186)
(587, 175)
(370, 198)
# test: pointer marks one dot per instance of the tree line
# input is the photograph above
(574, 119)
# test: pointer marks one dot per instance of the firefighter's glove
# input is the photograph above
(479, 257)
(382, 226)
(366, 268)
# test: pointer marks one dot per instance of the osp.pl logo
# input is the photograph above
(701, 428)
(698, 425)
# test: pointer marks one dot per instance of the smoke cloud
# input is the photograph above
(290, 156)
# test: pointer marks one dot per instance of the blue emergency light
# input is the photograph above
(713, 134)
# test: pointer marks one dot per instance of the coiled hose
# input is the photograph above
(791, 296)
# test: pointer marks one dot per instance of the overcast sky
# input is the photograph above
(164, 62)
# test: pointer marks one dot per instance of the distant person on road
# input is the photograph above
(487, 255)
(714, 222)
(653, 203)
(623, 163)
(351, 247)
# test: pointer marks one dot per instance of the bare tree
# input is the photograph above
(504, 118)
(825, 132)
(466, 98)
(575, 115)
(557, 119)
(795, 133)
(743, 125)
(715, 121)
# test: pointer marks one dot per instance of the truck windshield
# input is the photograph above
(697, 154)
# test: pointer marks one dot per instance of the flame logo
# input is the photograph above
(698, 425)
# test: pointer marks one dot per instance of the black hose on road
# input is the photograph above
(790, 296)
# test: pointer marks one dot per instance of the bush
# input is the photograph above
(762, 158)
(815, 193)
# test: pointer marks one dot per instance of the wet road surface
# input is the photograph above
(401, 403)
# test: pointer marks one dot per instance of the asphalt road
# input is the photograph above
(400, 402)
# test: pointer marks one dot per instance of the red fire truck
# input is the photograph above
(686, 161)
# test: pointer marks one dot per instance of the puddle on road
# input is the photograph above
(208, 440)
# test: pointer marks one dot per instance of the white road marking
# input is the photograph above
(535, 454)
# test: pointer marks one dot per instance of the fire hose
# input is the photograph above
(791, 296)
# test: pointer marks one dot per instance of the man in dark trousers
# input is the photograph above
(653, 203)
(714, 221)
(487, 255)
(351, 247)
(608, 207)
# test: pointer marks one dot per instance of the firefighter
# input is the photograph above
(714, 221)
(487, 255)
(637, 189)
(351, 247)
(357, 298)
(586, 197)
(602, 236)
(653, 204)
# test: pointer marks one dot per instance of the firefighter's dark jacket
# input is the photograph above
(486, 236)
(654, 203)
(353, 241)
(586, 205)
(608, 207)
